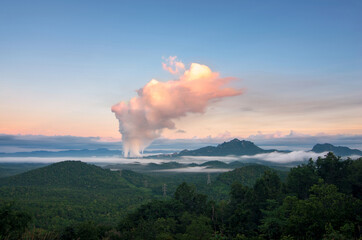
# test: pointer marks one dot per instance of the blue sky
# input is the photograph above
(286, 36)
(64, 64)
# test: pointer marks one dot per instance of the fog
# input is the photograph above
(274, 157)
(195, 169)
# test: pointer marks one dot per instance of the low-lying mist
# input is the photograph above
(275, 157)
(195, 170)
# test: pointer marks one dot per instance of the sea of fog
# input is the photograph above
(195, 169)
(275, 157)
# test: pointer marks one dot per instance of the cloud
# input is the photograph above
(277, 157)
(25, 143)
(202, 159)
(265, 99)
(158, 104)
(295, 140)
(195, 170)
(172, 65)
(99, 160)
(180, 131)
(14, 143)
(225, 135)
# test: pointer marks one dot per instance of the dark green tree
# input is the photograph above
(301, 178)
(13, 223)
(335, 171)
(273, 223)
(87, 231)
(325, 205)
(268, 187)
(242, 212)
(68, 233)
(355, 178)
(192, 201)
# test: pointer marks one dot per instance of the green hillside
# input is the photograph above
(220, 186)
(75, 200)
(72, 191)
(246, 175)
(68, 174)
(69, 192)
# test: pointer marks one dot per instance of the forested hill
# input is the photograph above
(247, 175)
(317, 200)
(234, 147)
(70, 192)
(68, 174)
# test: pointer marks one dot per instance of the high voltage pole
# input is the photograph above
(164, 189)
(208, 178)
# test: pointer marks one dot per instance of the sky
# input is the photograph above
(64, 64)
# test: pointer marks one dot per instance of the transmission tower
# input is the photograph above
(164, 189)
(208, 178)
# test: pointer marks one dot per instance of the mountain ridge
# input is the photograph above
(234, 147)
(100, 152)
(337, 150)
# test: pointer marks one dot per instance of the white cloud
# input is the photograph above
(277, 157)
(195, 169)
(295, 156)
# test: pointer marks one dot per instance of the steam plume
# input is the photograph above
(143, 118)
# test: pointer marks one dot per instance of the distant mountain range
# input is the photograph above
(101, 152)
(67, 153)
(246, 148)
(234, 147)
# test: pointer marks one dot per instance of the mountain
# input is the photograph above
(234, 147)
(339, 151)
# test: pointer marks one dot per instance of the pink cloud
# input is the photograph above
(172, 65)
(143, 118)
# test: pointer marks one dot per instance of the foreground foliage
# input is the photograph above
(318, 200)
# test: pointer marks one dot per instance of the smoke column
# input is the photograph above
(143, 118)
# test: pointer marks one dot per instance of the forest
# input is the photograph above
(319, 199)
